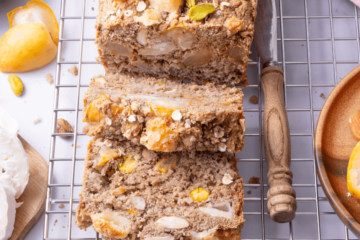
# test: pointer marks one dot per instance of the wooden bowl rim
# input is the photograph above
(334, 200)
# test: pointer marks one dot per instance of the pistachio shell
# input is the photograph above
(199, 12)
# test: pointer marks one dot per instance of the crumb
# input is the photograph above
(322, 95)
(72, 145)
(55, 221)
(61, 206)
(254, 180)
(73, 70)
(302, 45)
(49, 78)
(248, 192)
(25, 101)
(37, 120)
(63, 59)
(63, 226)
(64, 215)
(78, 146)
(92, 8)
(254, 99)
(52, 230)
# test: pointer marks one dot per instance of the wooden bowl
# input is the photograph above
(334, 143)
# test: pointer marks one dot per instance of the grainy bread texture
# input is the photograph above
(133, 193)
(165, 115)
(159, 38)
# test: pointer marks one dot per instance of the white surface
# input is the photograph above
(37, 101)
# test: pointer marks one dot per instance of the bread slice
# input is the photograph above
(161, 38)
(165, 115)
(134, 193)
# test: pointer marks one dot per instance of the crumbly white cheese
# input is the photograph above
(7, 211)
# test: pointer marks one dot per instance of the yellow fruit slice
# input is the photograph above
(353, 172)
(26, 47)
(199, 194)
(36, 11)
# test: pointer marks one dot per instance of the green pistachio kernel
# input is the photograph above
(199, 12)
(190, 3)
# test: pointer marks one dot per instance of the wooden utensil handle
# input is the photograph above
(281, 196)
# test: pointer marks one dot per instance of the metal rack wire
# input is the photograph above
(314, 67)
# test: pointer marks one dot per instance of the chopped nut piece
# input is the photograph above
(141, 36)
(108, 121)
(187, 123)
(198, 58)
(227, 179)
(49, 78)
(322, 95)
(248, 192)
(63, 126)
(254, 99)
(128, 165)
(61, 206)
(199, 194)
(111, 225)
(73, 70)
(176, 115)
(36, 121)
(354, 123)
(141, 6)
(139, 203)
(199, 12)
(172, 222)
(219, 210)
(168, 162)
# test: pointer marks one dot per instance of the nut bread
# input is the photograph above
(165, 115)
(202, 41)
(130, 192)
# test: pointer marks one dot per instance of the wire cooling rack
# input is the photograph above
(318, 44)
